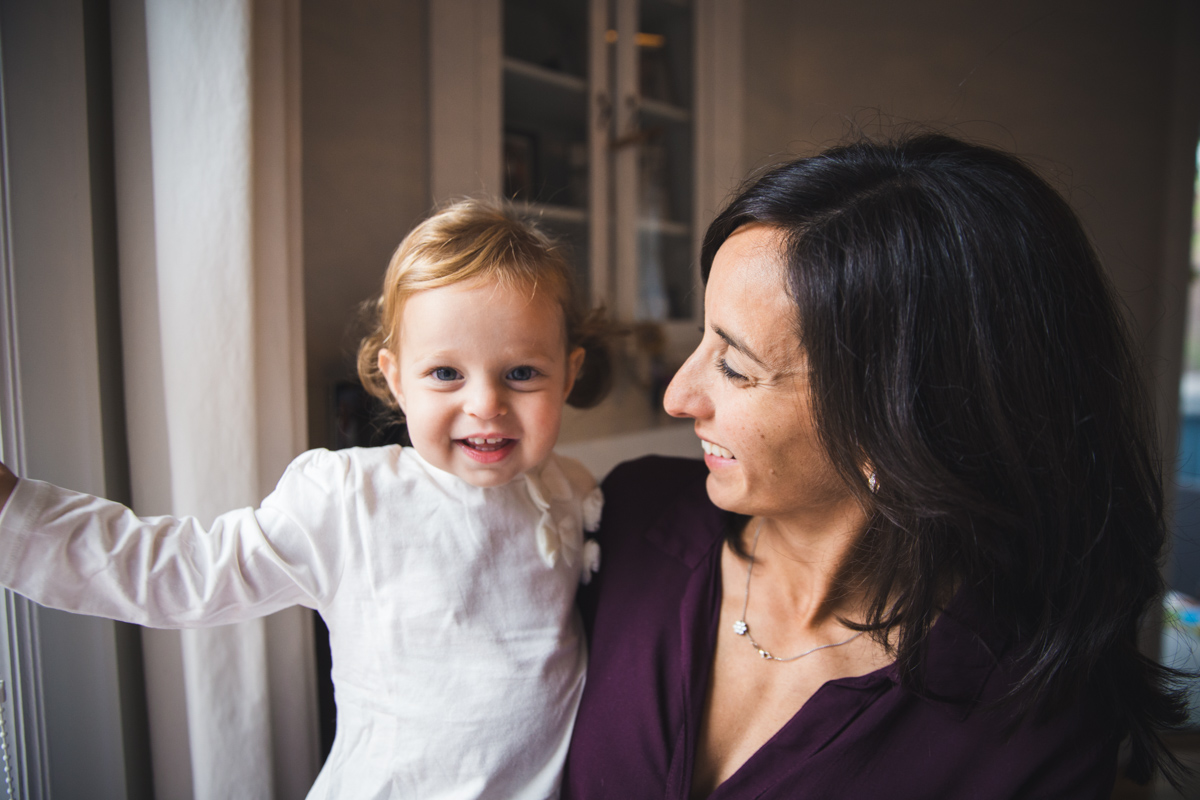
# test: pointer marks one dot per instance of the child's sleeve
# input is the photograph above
(92, 556)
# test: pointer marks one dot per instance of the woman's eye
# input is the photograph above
(445, 374)
(521, 374)
(728, 371)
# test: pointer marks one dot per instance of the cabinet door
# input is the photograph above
(548, 150)
(652, 151)
(616, 125)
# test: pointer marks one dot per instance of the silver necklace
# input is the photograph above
(742, 629)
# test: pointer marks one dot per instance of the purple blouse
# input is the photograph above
(651, 615)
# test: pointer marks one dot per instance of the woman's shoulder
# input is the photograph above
(660, 502)
(657, 530)
(655, 476)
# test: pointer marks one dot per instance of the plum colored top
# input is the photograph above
(651, 616)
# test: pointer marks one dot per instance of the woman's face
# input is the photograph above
(746, 387)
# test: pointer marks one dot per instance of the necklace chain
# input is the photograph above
(741, 628)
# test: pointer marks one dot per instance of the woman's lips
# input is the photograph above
(486, 449)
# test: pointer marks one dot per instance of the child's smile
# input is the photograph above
(485, 450)
(481, 374)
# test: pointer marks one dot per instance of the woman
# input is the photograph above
(931, 516)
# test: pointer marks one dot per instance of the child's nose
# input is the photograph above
(485, 400)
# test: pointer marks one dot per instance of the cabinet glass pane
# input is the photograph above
(551, 34)
(666, 277)
(545, 110)
(545, 139)
(664, 41)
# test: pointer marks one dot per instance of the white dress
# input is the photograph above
(458, 658)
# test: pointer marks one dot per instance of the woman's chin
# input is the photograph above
(724, 495)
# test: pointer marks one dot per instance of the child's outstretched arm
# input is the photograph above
(92, 556)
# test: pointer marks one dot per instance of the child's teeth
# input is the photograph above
(474, 440)
(715, 449)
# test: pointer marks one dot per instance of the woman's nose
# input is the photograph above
(484, 400)
(683, 397)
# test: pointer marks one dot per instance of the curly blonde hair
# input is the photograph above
(478, 240)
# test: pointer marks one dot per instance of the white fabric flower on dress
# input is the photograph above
(591, 561)
(547, 536)
(593, 505)
(537, 493)
(570, 539)
(559, 530)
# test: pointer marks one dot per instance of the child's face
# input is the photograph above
(481, 374)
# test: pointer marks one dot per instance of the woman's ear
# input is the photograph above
(574, 364)
(389, 366)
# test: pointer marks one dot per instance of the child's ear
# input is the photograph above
(574, 364)
(389, 365)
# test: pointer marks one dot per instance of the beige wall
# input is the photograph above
(365, 175)
(1081, 88)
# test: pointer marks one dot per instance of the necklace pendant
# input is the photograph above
(740, 627)
(765, 654)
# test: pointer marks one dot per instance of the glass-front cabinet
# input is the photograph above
(555, 96)
(616, 125)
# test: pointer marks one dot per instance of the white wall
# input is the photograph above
(364, 102)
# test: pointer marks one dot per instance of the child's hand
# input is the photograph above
(8, 482)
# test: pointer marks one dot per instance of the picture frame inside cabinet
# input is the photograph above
(520, 165)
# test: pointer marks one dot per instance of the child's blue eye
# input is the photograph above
(521, 374)
(445, 374)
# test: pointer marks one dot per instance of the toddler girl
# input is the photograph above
(446, 572)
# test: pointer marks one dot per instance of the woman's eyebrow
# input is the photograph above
(740, 346)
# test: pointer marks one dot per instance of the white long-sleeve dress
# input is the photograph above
(458, 659)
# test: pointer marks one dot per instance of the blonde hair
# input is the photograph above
(477, 240)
